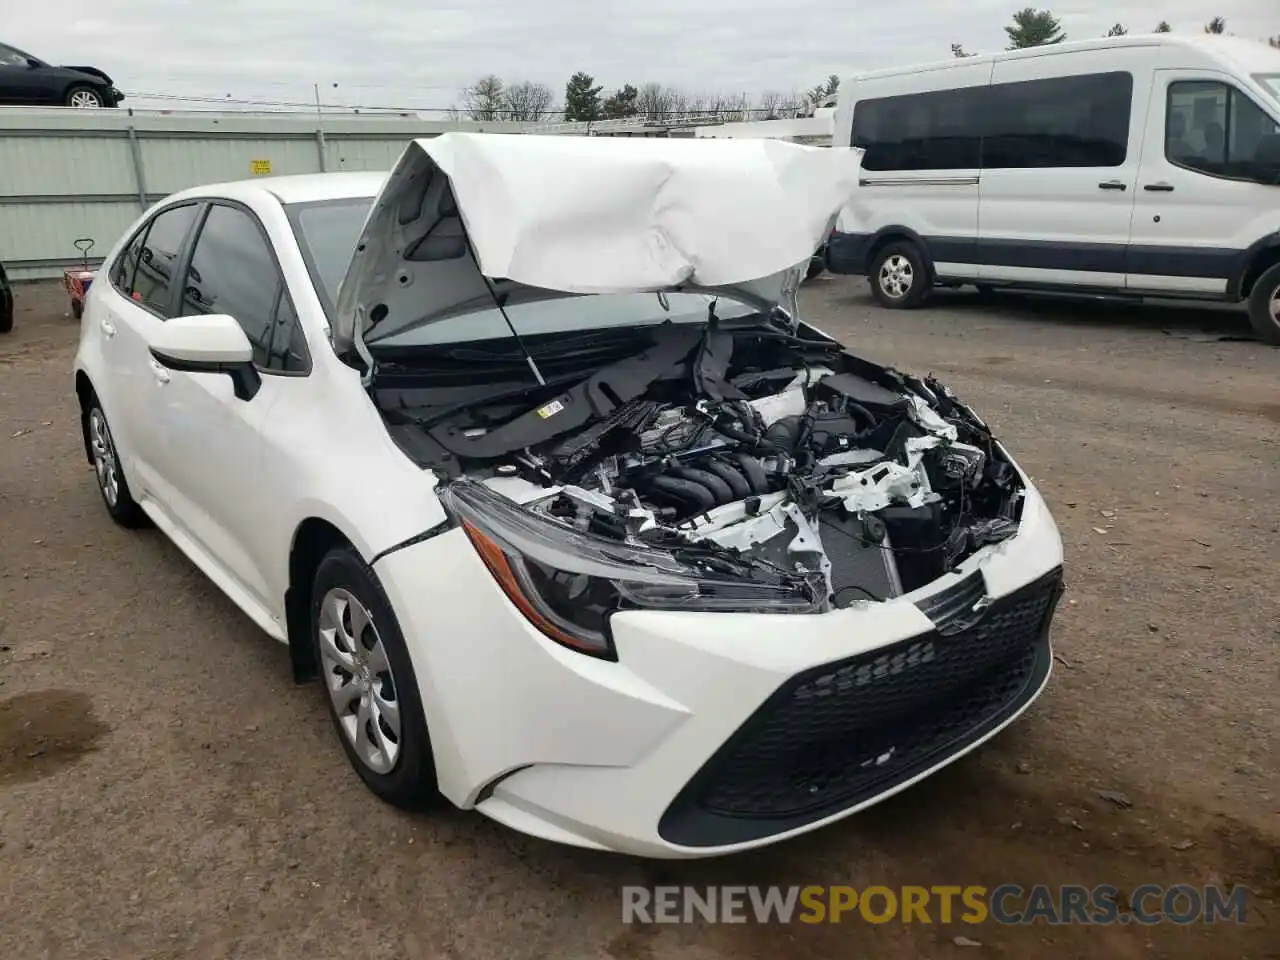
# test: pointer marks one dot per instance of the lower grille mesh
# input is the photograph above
(847, 731)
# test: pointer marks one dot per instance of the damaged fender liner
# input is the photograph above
(844, 733)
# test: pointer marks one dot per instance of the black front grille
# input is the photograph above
(844, 732)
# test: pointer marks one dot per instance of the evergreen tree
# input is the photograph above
(1033, 28)
(582, 98)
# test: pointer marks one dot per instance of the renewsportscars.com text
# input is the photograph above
(1004, 904)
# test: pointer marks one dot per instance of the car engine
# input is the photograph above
(775, 452)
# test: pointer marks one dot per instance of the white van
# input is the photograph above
(1139, 166)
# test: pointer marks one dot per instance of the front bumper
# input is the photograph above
(715, 733)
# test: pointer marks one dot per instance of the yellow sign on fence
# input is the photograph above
(260, 168)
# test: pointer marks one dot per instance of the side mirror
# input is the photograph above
(208, 343)
(33, 63)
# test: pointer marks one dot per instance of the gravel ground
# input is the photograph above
(166, 791)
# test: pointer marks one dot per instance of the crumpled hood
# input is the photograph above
(583, 215)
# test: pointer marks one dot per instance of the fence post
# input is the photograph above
(324, 163)
(135, 150)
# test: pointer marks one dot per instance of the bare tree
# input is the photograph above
(767, 105)
(654, 101)
(526, 101)
(1117, 31)
(959, 51)
(789, 105)
(729, 107)
(484, 100)
(1216, 25)
(736, 107)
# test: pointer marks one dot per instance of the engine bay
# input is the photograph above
(762, 447)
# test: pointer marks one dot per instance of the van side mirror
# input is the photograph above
(208, 343)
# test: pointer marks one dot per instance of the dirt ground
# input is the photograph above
(167, 791)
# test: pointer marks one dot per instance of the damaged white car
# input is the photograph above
(575, 519)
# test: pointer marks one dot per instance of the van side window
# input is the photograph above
(923, 131)
(1061, 122)
(1213, 128)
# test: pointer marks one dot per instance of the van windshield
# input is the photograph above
(1269, 82)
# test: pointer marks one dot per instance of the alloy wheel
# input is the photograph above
(105, 462)
(85, 98)
(896, 276)
(1275, 304)
(358, 677)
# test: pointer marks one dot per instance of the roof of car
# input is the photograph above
(1249, 54)
(298, 188)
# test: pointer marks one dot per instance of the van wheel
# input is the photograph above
(899, 277)
(1264, 306)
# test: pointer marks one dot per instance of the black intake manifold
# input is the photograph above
(693, 487)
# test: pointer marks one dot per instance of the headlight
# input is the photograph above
(568, 583)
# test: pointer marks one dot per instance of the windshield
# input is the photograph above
(569, 313)
(1269, 82)
(327, 232)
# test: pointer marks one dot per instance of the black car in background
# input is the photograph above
(30, 82)
(6, 302)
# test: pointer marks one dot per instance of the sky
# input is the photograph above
(399, 53)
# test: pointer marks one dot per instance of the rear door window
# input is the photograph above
(127, 263)
(154, 278)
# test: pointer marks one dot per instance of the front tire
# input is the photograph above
(85, 98)
(369, 682)
(112, 485)
(1264, 306)
(899, 276)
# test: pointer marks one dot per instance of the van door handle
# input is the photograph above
(108, 328)
(1112, 185)
(1159, 187)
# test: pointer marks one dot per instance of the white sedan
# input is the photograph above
(527, 456)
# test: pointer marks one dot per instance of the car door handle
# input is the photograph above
(1159, 187)
(108, 328)
(159, 372)
(1113, 185)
